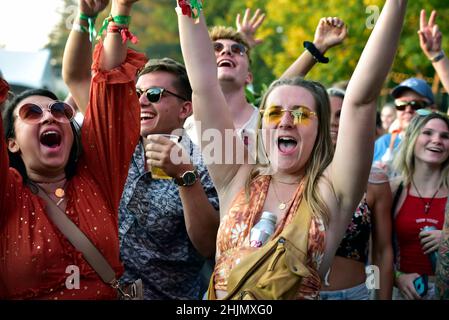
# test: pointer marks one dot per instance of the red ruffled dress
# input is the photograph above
(34, 255)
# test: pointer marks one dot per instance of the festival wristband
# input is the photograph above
(124, 33)
(120, 20)
(440, 55)
(316, 54)
(91, 22)
(191, 8)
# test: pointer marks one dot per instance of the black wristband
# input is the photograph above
(316, 54)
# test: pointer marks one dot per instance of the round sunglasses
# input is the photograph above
(33, 113)
(414, 104)
(236, 48)
(301, 115)
(154, 95)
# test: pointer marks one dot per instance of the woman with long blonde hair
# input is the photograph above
(421, 193)
(297, 142)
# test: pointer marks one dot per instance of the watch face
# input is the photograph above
(189, 178)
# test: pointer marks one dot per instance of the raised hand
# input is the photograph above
(429, 35)
(248, 27)
(122, 7)
(329, 33)
(92, 7)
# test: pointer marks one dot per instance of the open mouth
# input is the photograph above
(287, 144)
(435, 149)
(51, 139)
(144, 116)
(226, 63)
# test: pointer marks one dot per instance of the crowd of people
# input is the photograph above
(152, 177)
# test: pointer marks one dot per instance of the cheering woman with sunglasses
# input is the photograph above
(421, 194)
(42, 153)
(297, 141)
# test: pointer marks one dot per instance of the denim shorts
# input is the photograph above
(359, 292)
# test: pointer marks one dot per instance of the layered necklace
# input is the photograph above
(427, 204)
(282, 204)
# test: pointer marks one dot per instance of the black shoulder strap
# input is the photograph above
(396, 198)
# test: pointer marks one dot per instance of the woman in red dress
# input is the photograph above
(41, 150)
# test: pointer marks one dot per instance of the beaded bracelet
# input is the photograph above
(316, 54)
(91, 22)
(121, 20)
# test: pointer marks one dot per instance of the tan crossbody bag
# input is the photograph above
(275, 271)
(92, 255)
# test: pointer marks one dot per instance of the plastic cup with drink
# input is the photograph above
(156, 172)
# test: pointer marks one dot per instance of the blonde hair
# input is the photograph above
(404, 161)
(229, 33)
(322, 152)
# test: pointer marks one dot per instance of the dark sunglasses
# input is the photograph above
(414, 104)
(154, 95)
(236, 48)
(33, 113)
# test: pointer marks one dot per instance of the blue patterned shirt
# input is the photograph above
(154, 243)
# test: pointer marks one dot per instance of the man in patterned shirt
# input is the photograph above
(167, 227)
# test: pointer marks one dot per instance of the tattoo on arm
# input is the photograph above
(442, 270)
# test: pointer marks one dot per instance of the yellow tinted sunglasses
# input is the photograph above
(301, 115)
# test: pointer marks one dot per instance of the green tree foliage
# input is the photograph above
(288, 24)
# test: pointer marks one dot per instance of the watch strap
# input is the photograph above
(180, 181)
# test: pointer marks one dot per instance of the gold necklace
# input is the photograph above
(58, 193)
(282, 205)
(427, 205)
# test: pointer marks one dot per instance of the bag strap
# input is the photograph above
(80, 241)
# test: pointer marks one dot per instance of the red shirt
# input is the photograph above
(408, 224)
(34, 254)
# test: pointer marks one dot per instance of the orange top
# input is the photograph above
(234, 232)
(34, 255)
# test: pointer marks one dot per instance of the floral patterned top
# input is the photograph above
(355, 242)
(234, 231)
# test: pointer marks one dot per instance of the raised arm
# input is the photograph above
(330, 32)
(430, 39)
(111, 127)
(77, 58)
(209, 105)
(354, 151)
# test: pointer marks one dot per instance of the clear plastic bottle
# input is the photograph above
(262, 231)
